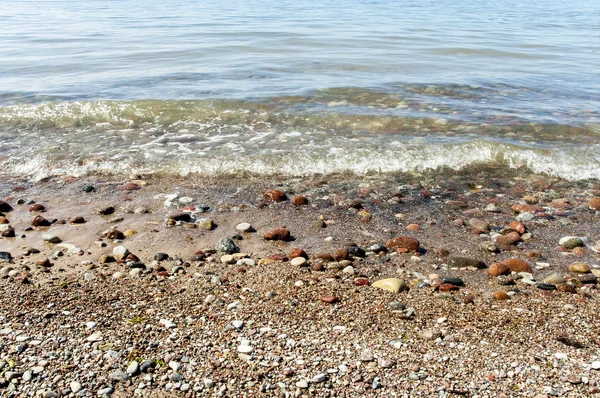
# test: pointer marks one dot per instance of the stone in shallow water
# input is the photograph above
(579, 268)
(391, 284)
(571, 242)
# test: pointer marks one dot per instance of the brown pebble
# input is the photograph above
(361, 281)
(130, 186)
(501, 295)
(106, 211)
(44, 263)
(340, 254)
(413, 227)
(517, 265)
(273, 195)
(282, 234)
(508, 239)
(77, 220)
(40, 221)
(132, 257)
(114, 234)
(448, 287)
(498, 269)
(325, 257)
(3, 220)
(403, 242)
(37, 207)
(578, 251)
(316, 267)
(468, 299)
(566, 288)
(594, 204)
(278, 257)
(518, 226)
(329, 299)
(5, 207)
(296, 252)
(299, 201)
(520, 208)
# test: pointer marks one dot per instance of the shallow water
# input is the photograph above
(298, 87)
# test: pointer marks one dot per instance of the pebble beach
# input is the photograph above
(477, 284)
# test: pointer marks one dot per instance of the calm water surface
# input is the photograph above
(299, 87)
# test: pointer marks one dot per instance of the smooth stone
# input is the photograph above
(321, 377)
(133, 368)
(571, 242)
(50, 238)
(546, 286)
(596, 365)
(245, 349)
(120, 251)
(119, 275)
(397, 305)
(27, 376)
(237, 324)
(118, 376)
(390, 284)
(95, 337)
(208, 383)
(454, 281)
(348, 270)
(302, 384)
(75, 387)
(105, 391)
(244, 227)
(174, 365)
(298, 261)
(579, 268)
(554, 279)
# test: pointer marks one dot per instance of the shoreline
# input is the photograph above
(319, 328)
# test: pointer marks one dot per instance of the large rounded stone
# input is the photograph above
(282, 234)
(391, 284)
(570, 242)
(579, 268)
(403, 242)
(594, 204)
(498, 269)
(464, 262)
(517, 265)
(226, 245)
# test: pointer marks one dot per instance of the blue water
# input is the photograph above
(69, 68)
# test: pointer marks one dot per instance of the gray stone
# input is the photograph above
(118, 376)
(133, 368)
(51, 238)
(321, 377)
(244, 227)
(5, 257)
(174, 365)
(27, 375)
(105, 391)
(120, 251)
(237, 324)
(226, 245)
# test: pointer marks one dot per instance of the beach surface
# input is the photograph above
(155, 287)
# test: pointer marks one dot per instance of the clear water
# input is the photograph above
(298, 87)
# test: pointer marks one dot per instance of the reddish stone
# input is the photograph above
(594, 204)
(501, 295)
(561, 204)
(278, 234)
(296, 252)
(403, 242)
(278, 257)
(132, 257)
(506, 240)
(499, 269)
(340, 254)
(3, 220)
(299, 201)
(578, 251)
(413, 227)
(361, 281)
(37, 207)
(517, 226)
(130, 186)
(114, 234)
(566, 288)
(468, 299)
(316, 267)
(448, 287)
(520, 208)
(40, 221)
(517, 265)
(5, 206)
(329, 299)
(273, 195)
